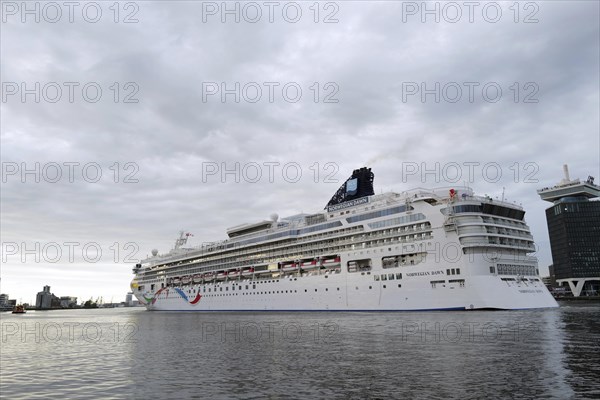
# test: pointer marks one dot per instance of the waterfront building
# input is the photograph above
(68, 302)
(574, 230)
(46, 300)
(129, 299)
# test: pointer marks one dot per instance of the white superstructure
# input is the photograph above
(442, 249)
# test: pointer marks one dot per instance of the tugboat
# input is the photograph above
(19, 310)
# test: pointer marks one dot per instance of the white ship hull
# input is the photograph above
(343, 291)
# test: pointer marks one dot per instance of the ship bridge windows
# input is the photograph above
(488, 208)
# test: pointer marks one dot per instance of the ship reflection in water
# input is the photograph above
(131, 353)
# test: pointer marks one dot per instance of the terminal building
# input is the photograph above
(574, 229)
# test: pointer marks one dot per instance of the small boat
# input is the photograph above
(331, 261)
(19, 309)
(186, 280)
(289, 267)
(264, 271)
(209, 276)
(248, 272)
(222, 275)
(309, 265)
(233, 274)
(197, 278)
(176, 281)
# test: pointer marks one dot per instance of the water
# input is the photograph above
(132, 353)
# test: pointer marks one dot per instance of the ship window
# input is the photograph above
(492, 270)
(370, 287)
(376, 277)
(391, 277)
(399, 276)
(453, 271)
(399, 285)
(458, 271)
(448, 271)
(384, 277)
(384, 286)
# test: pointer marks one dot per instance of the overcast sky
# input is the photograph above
(369, 73)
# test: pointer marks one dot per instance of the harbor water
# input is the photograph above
(127, 353)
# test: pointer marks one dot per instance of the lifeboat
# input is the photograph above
(248, 272)
(176, 281)
(197, 278)
(222, 275)
(234, 273)
(264, 271)
(331, 261)
(209, 276)
(186, 280)
(289, 267)
(309, 265)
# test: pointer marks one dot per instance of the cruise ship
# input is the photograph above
(437, 249)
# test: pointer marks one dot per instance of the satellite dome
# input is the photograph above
(274, 217)
(154, 252)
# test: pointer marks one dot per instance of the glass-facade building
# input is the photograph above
(574, 229)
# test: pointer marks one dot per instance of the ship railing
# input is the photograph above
(402, 236)
(276, 253)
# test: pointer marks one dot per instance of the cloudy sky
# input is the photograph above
(118, 122)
